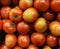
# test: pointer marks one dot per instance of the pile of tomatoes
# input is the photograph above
(29, 24)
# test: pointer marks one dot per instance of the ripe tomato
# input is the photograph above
(1, 24)
(55, 28)
(51, 40)
(10, 40)
(9, 26)
(38, 39)
(55, 5)
(23, 40)
(24, 4)
(5, 2)
(58, 17)
(30, 15)
(23, 27)
(16, 14)
(17, 47)
(40, 25)
(41, 5)
(5, 12)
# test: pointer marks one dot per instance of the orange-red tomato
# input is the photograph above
(55, 5)
(55, 28)
(48, 16)
(1, 24)
(40, 25)
(5, 2)
(41, 5)
(9, 26)
(38, 39)
(58, 17)
(24, 4)
(32, 46)
(5, 12)
(23, 27)
(51, 40)
(30, 15)
(16, 14)
(23, 40)
(17, 47)
(10, 40)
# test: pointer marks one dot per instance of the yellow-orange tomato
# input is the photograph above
(40, 25)
(41, 5)
(55, 5)
(24, 4)
(5, 12)
(16, 14)
(10, 40)
(30, 15)
(55, 28)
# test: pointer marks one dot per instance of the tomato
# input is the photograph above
(1, 24)
(40, 25)
(55, 5)
(51, 40)
(23, 40)
(9, 26)
(41, 5)
(4, 47)
(48, 15)
(17, 47)
(5, 2)
(23, 27)
(38, 39)
(31, 46)
(55, 28)
(16, 14)
(5, 12)
(10, 40)
(58, 17)
(30, 15)
(24, 4)
(59, 41)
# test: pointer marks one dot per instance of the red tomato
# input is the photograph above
(38, 39)
(55, 5)
(23, 27)
(1, 24)
(58, 17)
(51, 40)
(55, 28)
(10, 40)
(30, 15)
(41, 5)
(17, 47)
(5, 2)
(9, 26)
(23, 40)
(24, 4)
(16, 14)
(5, 12)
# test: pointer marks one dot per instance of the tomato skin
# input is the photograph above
(5, 2)
(58, 17)
(9, 26)
(55, 5)
(17, 47)
(32, 46)
(24, 4)
(23, 27)
(51, 40)
(30, 15)
(5, 12)
(16, 14)
(1, 24)
(54, 27)
(38, 39)
(41, 5)
(23, 41)
(40, 25)
(10, 40)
